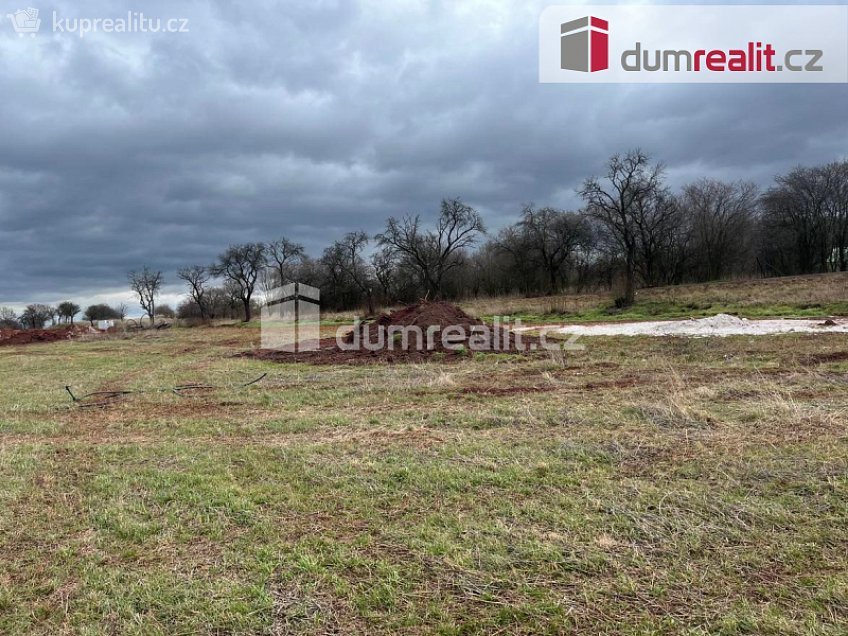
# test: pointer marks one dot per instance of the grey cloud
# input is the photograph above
(311, 118)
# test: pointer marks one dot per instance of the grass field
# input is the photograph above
(794, 297)
(642, 486)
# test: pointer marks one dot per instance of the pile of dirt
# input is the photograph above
(13, 337)
(422, 316)
(413, 334)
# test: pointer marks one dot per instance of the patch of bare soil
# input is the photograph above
(620, 383)
(12, 337)
(402, 337)
(504, 391)
(822, 358)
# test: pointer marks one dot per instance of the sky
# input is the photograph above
(310, 119)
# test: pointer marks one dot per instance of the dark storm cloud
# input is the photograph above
(310, 119)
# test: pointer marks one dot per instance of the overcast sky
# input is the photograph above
(309, 119)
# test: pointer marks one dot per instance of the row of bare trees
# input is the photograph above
(632, 231)
(37, 316)
(633, 227)
(408, 258)
(805, 220)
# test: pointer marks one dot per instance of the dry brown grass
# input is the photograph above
(795, 291)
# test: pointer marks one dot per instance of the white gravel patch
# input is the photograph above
(716, 326)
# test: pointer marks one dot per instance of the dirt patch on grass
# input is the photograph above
(368, 440)
(330, 353)
(620, 383)
(13, 337)
(823, 358)
(503, 391)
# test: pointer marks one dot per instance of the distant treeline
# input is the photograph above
(632, 231)
(38, 316)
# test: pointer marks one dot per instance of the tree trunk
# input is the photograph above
(433, 288)
(630, 280)
(247, 313)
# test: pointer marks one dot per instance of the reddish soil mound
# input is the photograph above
(422, 317)
(413, 334)
(11, 337)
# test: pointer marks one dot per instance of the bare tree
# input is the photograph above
(836, 208)
(241, 265)
(197, 277)
(147, 285)
(662, 240)
(511, 244)
(35, 316)
(283, 255)
(545, 241)
(630, 181)
(347, 255)
(67, 311)
(432, 254)
(8, 318)
(722, 217)
(806, 220)
(798, 205)
(52, 314)
(219, 304)
(384, 264)
(335, 283)
(100, 312)
(232, 298)
(166, 311)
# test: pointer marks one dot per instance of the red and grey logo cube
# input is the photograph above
(584, 45)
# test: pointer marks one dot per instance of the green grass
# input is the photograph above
(815, 296)
(644, 486)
